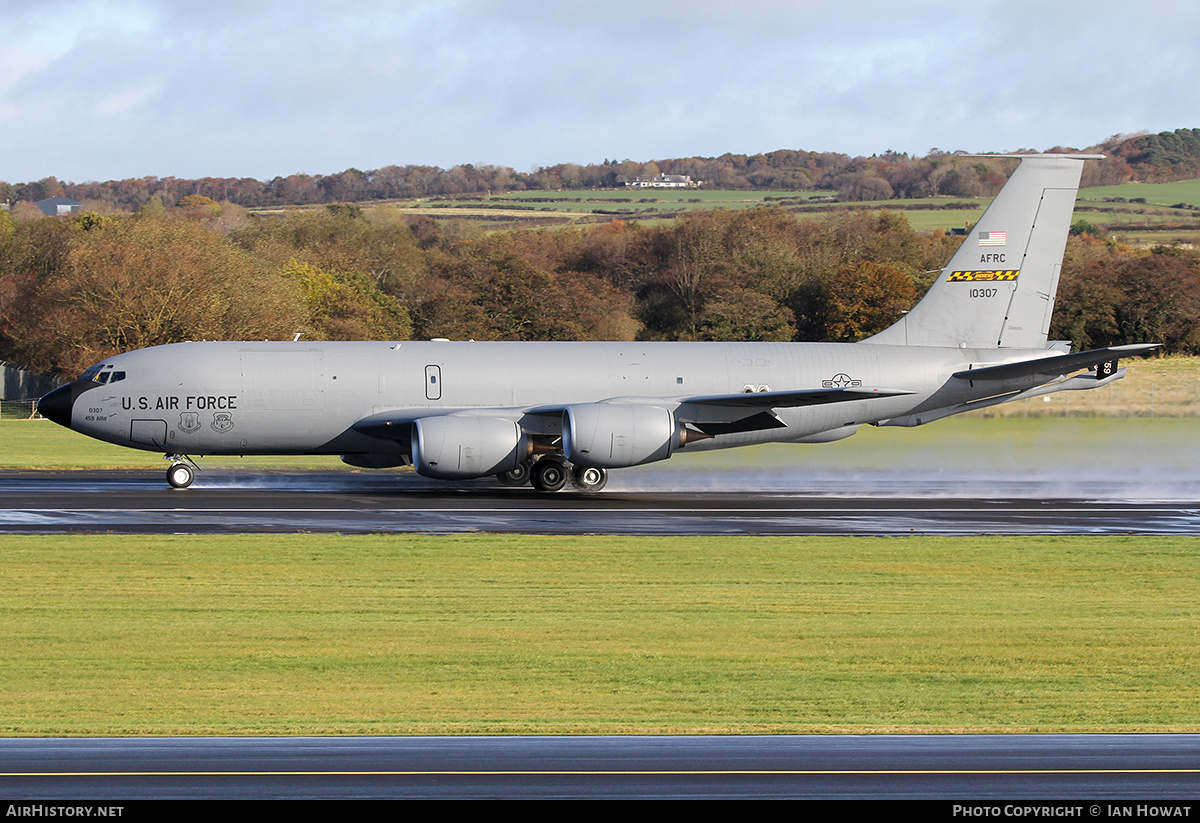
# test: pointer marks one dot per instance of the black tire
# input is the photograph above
(518, 476)
(590, 479)
(549, 475)
(180, 476)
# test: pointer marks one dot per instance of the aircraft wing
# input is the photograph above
(1056, 365)
(713, 414)
(752, 411)
(789, 399)
(395, 424)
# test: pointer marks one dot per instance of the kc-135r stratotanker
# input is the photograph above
(552, 413)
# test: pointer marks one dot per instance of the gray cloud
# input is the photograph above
(110, 89)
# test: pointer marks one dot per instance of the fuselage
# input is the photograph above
(224, 398)
(532, 412)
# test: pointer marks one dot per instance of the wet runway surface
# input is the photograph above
(1079, 768)
(228, 502)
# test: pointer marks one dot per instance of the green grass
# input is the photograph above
(309, 634)
(672, 199)
(1152, 387)
(926, 214)
(40, 444)
(1155, 194)
(1041, 441)
(1152, 222)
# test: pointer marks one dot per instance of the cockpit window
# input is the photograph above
(100, 373)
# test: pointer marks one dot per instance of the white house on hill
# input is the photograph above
(663, 181)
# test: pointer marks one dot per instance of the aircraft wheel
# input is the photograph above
(590, 479)
(180, 476)
(549, 475)
(518, 476)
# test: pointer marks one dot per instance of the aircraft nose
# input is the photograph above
(57, 405)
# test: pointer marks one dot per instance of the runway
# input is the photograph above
(1086, 772)
(346, 502)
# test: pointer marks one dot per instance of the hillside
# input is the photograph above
(1157, 158)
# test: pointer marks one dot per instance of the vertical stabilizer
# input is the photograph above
(998, 290)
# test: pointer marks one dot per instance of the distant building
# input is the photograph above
(663, 181)
(58, 206)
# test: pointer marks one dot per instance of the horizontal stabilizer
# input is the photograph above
(1056, 365)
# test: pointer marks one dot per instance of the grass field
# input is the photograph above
(650, 205)
(1152, 387)
(1167, 213)
(1155, 194)
(312, 634)
(1156, 220)
(40, 444)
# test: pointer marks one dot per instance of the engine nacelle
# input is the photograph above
(616, 435)
(456, 448)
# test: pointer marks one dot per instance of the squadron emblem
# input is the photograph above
(222, 422)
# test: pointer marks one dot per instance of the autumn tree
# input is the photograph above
(521, 301)
(142, 282)
(1161, 299)
(866, 298)
(744, 314)
(348, 306)
(198, 205)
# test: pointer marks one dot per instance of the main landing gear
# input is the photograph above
(590, 479)
(182, 471)
(518, 476)
(551, 473)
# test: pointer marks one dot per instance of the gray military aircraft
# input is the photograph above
(549, 413)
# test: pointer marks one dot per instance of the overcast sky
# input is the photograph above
(109, 89)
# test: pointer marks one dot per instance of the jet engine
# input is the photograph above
(456, 448)
(616, 435)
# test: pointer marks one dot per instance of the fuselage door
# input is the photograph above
(149, 432)
(433, 382)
